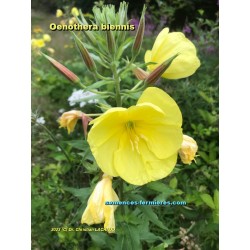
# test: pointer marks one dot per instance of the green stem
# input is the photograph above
(117, 86)
(120, 191)
(127, 67)
(57, 143)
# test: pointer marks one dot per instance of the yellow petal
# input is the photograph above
(168, 45)
(103, 137)
(141, 166)
(163, 140)
(162, 100)
(183, 66)
(160, 38)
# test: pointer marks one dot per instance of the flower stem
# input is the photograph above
(57, 143)
(117, 86)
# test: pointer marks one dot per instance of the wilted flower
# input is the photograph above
(46, 38)
(74, 11)
(140, 144)
(59, 13)
(97, 212)
(69, 119)
(168, 45)
(188, 149)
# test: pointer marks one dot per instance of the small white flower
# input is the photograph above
(61, 111)
(81, 97)
(40, 120)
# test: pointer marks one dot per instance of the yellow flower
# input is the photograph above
(69, 119)
(72, 20)
(140, 144)
(97, 212)
(74, 11)
(37, 43)
(59, 13)
(169, 44)
(188, 149)
(46, 38)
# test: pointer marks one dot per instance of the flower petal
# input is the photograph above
(162, 100)
(104, 137)
(163, 140)
(184, 65)
(162, 36)
(140, 166)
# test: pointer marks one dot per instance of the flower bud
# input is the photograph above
(139, 34)
(188, 149)
(74, 11)
(111, 42)
(155, 75)
(85, 55)
(97, 212)
(62, 69)
(59, 13)
(69, 119)
(140, 73)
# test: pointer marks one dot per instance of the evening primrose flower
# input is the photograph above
(74, 11)
(59, 13)
(188, 149)
(140, 144)
(37, 43)
(97, 212)
(46, 38)
(69, 119)
(169, 44)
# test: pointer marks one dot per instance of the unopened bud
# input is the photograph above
(62, 69)
(140, 73)
(139, 34)
(88, 34)
(155, 75)
(111, 42)
(85, 55)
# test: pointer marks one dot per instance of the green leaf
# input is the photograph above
(160, 187)
(128, 238)
(205, 97)
(78, 144)
(162, 246)
(145, 234)
(100, 239)
(98, 84)
(173, 183)
(35, 171)
(208, 200)
(82, 194)
(124, 46)
(216, 199)
(148, 212)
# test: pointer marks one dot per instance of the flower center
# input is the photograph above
(133, 137)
